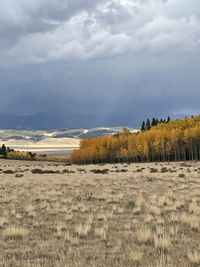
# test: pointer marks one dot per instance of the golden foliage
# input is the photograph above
(172, 141)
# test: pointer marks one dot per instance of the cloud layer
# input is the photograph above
(49, 30)
(110, 56)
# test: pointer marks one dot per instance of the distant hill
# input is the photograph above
(65, 119)
(19, 135)
(44, 120)
(62, 120)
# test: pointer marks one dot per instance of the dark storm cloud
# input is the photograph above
(50, 30)
(125, 58)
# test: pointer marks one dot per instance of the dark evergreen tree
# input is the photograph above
(148, 125)
(32, 155)
(4, 151)
(168, 119)
(157, 121)
(143, 126)
(153, 122)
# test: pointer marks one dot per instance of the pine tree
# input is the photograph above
(4, 151)
(143, 126)
(157, 121)
(148, 125)
(168, 119)
(153, 122)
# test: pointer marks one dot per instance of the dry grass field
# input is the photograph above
(53, 215)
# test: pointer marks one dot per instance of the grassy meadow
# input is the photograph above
(55, 215)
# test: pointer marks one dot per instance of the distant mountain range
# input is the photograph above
(43, 120)
(40, 135)
(60, 120)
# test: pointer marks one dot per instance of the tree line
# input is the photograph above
(4, 151)
(168, 140)
(154, 122)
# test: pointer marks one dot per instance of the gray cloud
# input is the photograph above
(77, 30)
(111, 56)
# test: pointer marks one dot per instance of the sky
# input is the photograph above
(118, 59)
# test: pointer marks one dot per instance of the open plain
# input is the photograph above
(56, 215)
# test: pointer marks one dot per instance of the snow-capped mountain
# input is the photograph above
(38, 135)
